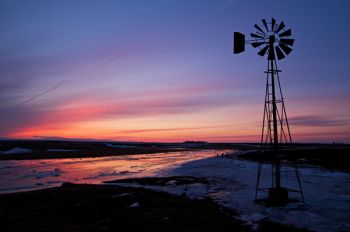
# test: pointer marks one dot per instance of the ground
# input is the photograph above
(332, 157)
(203, 176)
(73, 207)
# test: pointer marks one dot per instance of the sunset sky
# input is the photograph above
(163, 70)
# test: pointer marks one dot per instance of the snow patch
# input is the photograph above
(122, 195)
(119, 145)
(17, 150)
(134, 205)
(327, 197)
(252, 218)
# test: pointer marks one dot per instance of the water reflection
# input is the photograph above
(34, 174)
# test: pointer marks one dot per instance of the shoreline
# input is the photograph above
(36, 150)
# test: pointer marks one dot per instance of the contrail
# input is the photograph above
(210, 13)
(81, 75)
(221, 7)
(216, 10)
(42, 93)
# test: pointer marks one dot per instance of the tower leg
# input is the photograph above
(299, 182)
(257, 181)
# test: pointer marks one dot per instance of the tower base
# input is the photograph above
(278, 196)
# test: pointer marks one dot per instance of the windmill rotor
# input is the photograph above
(271, 38)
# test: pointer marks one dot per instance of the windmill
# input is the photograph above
(274, 43)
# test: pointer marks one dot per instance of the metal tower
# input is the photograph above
(276, 140)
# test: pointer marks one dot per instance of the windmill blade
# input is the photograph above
(263, 51)
(286, 33)
(280, 27)
(273, 24)
(279, 53)
(271, 53)
(257, 44)
(256, 36)
(259, 28)
(289, 42)
(265, 24)
(285, 48)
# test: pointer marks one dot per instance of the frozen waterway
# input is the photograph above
(22, 175)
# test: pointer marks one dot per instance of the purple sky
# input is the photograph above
(163, 70)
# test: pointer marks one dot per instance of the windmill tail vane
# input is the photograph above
(274, 42)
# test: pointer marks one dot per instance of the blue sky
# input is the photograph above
(164, 70)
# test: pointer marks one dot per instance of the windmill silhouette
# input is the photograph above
(275, 43)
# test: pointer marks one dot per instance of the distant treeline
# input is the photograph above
(197, 142)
